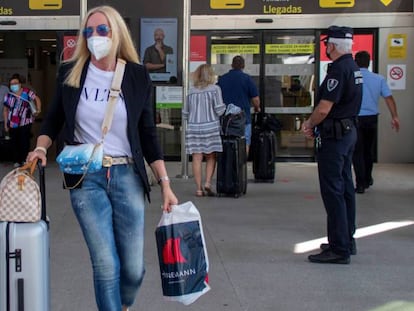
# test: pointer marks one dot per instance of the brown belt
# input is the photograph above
(108, 161)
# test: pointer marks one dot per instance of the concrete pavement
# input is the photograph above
(251, 245)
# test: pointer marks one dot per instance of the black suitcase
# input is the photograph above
(231, 167)
(264, 154)
(24, 267)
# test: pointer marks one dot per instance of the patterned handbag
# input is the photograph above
(20, 198)
(78, 159)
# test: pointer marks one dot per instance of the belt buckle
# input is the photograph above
(107, 161)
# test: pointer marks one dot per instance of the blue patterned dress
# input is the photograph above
(203, 110)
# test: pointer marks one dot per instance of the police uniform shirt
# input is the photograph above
(342, 86)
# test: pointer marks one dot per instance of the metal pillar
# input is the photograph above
(186, 69)
(83, 9)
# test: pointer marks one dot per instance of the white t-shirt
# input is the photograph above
(91, 112)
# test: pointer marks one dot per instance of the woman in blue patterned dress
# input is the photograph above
(202, 111)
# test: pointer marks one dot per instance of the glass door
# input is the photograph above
(225, 45)
(283, 66)
(289, 85)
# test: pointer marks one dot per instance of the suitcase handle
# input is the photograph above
(42, 187)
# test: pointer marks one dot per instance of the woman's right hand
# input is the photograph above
(37, 153)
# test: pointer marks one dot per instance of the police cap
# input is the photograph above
(339, 32)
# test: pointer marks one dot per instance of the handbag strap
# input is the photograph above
(113, 96)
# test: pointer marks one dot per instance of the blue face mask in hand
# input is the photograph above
(14, 88)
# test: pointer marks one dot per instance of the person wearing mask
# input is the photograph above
(155, 56)
(333, 124)
(19, 117)
(238, 88)
(203, 110)
(113, 226)
(4, 90)
(375, 86)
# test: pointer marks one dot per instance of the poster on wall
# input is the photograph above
(198, 51)
(159, 48)
(362, 42)
(69, 45)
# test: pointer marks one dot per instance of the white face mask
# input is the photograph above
(99, 46)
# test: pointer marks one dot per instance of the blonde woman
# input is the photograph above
(110, 203)
(203, 110)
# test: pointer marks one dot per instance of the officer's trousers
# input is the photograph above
(337, 189)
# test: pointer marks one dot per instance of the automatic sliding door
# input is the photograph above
(224, 46)
(283, 66)
(289, 85)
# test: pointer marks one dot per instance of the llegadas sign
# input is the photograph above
(284, 7)
(39, 7)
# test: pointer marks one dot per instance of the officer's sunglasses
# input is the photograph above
(102, 30)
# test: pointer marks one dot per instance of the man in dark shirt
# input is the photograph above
(238, 88)
(333, 124)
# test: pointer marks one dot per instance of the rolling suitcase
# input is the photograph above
(264, 144)
(231, 167)
(24, 267)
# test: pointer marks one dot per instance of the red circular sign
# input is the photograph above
(396, 73)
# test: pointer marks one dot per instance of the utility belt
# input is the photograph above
(336, 128)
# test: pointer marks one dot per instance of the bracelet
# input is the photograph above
(163, 178)
(41, 149)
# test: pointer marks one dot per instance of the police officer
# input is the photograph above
(333, 124)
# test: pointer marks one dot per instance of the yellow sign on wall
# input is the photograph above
(227, 4)
(235, 49)
(336, 3)
(397, 45)
(45, 4)
(290, 48)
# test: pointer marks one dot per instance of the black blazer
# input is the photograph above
(136, 88)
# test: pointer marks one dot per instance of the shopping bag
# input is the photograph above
(182, 254)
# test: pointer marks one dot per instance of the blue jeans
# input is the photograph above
(110, 210)
(248, 133)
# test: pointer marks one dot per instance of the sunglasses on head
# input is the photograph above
(101, 30)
